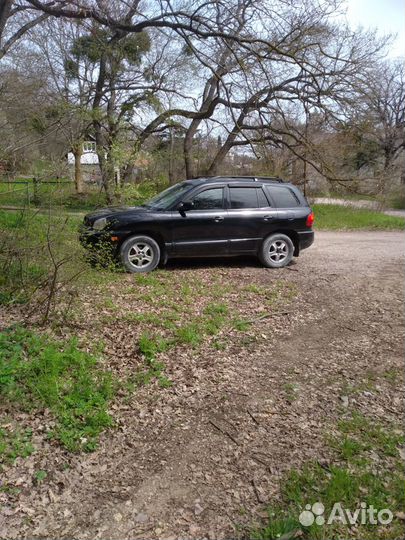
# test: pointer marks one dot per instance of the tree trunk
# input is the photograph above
(107, 174)
(171, 158)
(187, 149)
(210, 90)
(5, 10)
(78, 152)
(228, 144)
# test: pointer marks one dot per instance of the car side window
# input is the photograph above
(283, 197)
(248, 197)
(261, 196)
(209, 199)
(243, 197)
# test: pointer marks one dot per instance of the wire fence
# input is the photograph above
(33, 191)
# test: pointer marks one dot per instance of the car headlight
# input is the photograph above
(100, 224)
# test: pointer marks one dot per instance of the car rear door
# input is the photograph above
(251, 217)
(203, 229)
(290, 208)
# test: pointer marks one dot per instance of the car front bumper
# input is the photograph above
(94, 240)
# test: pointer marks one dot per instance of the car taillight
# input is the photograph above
(310, 219)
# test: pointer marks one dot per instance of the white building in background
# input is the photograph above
(89, 155)
(89, 162)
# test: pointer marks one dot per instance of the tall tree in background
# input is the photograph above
(382, 110)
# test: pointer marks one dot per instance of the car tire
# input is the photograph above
(140, 254)
(277, 251)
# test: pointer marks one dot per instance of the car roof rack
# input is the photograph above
(247, 178)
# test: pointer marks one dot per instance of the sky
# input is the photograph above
(388, 16)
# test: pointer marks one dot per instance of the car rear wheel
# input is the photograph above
(277, 251)
(140, 254)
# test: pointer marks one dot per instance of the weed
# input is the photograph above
(241, 325)
(290, 390)
(109, 304)
(39, 476)
(391, 375)
(215, 316)
(10, 489)
(256, 289)
(219, 345)
(153, 370)
(189, 334)
(151, 346)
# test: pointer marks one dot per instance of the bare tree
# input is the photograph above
(245, 72)
(382, 110)
(16, 19)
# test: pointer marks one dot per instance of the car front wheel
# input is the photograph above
(140, 254)
(277, 251)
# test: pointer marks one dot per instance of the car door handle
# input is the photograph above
(217, 219)
(267, 218)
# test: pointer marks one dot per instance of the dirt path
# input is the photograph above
(203, 457)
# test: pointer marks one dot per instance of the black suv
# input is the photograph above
(207, 217)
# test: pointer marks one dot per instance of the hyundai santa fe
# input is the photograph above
(206, 217)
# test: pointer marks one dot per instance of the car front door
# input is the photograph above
(202, 230)
(251, 217)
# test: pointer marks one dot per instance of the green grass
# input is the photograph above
(151, 346)
(37, 373)
(40, 476)
(367, 468)
(290, 391)
(337, 217)
(14, 443)
(195, 313)
(397, 201)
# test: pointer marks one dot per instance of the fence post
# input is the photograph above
(35, 199)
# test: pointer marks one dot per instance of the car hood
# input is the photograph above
(115, 211)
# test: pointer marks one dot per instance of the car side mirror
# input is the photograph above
(185, 206)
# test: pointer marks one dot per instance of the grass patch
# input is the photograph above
(151, 346)
(40, 476)
(192, 312)
(14, 443)
(397, 201)
(339, 217)
(37, 373)
(367, 469)
(290, 391)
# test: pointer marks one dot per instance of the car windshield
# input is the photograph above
(162, 201)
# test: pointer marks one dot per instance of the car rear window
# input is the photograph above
(284, 197)
(248, 197)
